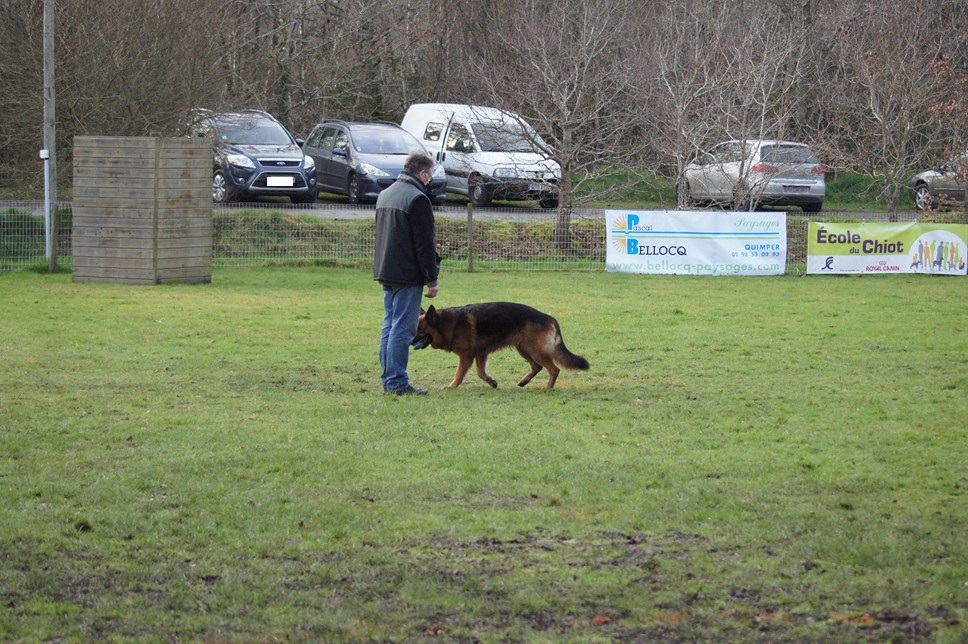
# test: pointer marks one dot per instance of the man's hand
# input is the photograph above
(432, 291)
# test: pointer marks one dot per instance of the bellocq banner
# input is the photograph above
(881, 248)
(695, 243)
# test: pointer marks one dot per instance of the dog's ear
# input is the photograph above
(431, 314)
(422, 312)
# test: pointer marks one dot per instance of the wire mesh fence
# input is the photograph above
(491, 239)
(23, 235)
(333, 234)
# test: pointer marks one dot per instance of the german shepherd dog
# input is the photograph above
(475, 331)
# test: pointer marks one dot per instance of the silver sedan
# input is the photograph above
(745, 174)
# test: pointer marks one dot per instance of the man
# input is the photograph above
(404, 262)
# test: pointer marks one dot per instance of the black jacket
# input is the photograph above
(406, 249)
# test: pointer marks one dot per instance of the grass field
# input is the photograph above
(748, 459)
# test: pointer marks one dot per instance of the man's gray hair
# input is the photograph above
(419, 162)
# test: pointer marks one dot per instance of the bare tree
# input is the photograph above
(950, 113)
(879, 95)
(119, 71)
(614, 85)
(722, 71)
(686, 81)
(568, 67)
(354, 59)
(21, 101)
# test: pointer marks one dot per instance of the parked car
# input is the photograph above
(941, 185)
(255, 156)
(359, 159)
(747, 174)
(487, 153)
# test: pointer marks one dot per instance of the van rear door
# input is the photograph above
(431, 127)
(428, 123)
(457, 156)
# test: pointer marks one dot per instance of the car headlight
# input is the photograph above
(366, 168)
(240, 161)
(309, 163)
(506, 173)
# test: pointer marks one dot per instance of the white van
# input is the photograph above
(486, 152)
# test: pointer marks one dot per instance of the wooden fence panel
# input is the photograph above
(142, 211)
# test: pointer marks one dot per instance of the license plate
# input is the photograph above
(796, 188)
(537, 187)
(279, 182)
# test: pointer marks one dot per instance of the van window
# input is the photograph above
(505, 137)
(459, 139)
(432, 131)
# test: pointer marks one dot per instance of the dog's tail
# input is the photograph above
(566, 358)
(569, 360)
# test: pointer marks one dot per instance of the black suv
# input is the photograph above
(255, 156)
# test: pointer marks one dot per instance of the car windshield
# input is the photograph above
(253, 132)
(506, 137)
(787, 154)
(384, 141)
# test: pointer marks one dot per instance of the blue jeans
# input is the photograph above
(401, 305)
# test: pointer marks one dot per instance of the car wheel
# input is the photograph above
(479, 194)
(353, 189)
(923, 199)
(220, 188)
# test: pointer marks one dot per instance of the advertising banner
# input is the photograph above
(672, 242)
(879, 248)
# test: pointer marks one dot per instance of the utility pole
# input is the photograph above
(49, 153)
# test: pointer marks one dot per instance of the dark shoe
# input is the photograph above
(410, 390)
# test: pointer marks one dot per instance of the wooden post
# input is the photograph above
(470, 237)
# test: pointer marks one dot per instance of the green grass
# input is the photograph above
(861, 193)
(758, 459)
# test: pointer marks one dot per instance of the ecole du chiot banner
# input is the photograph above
(667, 242)
(880, 248)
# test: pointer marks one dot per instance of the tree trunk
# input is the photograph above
(563, 227)
(565, 200)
